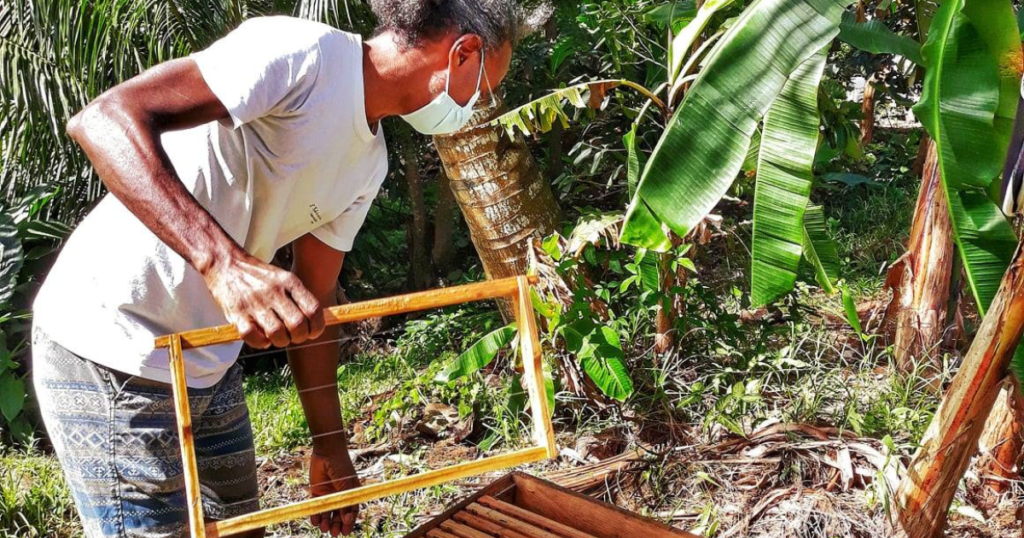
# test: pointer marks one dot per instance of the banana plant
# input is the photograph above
(967, 106)
(710, 132)
(707, 138)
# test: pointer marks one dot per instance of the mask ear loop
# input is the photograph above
(490, 89)
(479, 76)
(448, 78)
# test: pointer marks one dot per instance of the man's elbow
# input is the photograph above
(95, 117)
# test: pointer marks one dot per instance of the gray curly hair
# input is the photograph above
(495, 21)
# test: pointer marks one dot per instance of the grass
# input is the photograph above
(279, 424)
(871, 222)
(34, 500)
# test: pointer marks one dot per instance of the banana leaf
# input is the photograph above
(707, 138)
(960, 107)
(875, 37)
(681, 44)
(994, 22)
(478, 355)
(819, 249)
(599, 351)
(784, 175)
(634, 160)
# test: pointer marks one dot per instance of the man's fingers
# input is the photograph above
(325, 522)
(310, 307)
(251, 333)
(272, 327)
(294, 320)
(316, 324)
(336, 518)
(348, 520)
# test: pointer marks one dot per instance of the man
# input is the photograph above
(213, 162)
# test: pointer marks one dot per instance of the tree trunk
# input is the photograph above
(420, 273)
(927, 269)
(927, 490)
(500, 190)
(867, 108)
(444, 226)
(1003, 439)
(665, 317)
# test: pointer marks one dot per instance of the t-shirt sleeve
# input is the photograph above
(267, 65)
(340, 233)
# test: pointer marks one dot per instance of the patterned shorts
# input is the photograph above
(117, 441)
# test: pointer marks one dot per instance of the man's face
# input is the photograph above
(463, 57)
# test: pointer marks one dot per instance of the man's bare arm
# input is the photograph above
(315, 369)
(120, 132)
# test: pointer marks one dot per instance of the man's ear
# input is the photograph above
(467, 46)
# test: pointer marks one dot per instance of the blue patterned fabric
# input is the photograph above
(117, 441)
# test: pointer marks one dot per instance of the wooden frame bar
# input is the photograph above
(515, 288)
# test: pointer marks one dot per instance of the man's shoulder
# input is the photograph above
(295, 31)
(285, 26)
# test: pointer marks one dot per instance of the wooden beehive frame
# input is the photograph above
(515, 288)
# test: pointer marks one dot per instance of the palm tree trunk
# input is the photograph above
(500, 190)
(925, 494)
(923, 295)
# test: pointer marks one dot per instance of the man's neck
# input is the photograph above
(386, 69)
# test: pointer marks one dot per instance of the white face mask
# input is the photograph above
(443, 115)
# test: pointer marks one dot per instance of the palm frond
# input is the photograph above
(539, 115)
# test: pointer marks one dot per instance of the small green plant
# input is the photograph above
(27, 238)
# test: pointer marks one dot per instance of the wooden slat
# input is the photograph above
(509, 522)
(536, 520)
(363, 494)
(486, 525)
(587, 514)
(502, 488)
(438, 533)
(529, 345)
(462, 531)
(183, 414)
(388, 306)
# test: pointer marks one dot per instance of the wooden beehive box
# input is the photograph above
(521, 506)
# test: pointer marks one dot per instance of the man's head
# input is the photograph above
(447, 42)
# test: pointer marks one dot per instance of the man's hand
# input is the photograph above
(268, 305)
(331, 474)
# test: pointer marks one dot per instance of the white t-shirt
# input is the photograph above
(295, 157)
